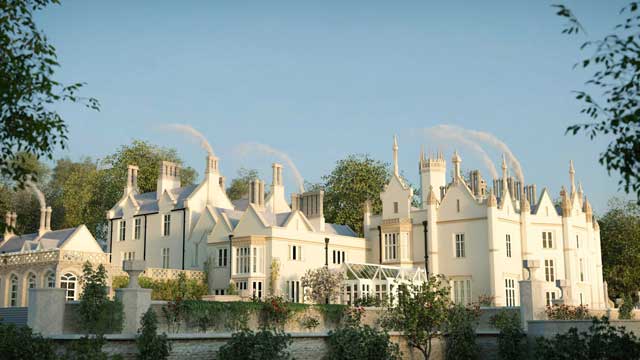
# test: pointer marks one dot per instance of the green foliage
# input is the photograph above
(365, 342)
(511, 337)
(333, 313)
(353, 181)
(421, 312)
(309, 322)
(239, 187)
(18, 343)
(602, 341)
(168, 289)
(353, 316)
(625, 311)
(151, 346)
(461, 333)
(620, 243)
(275, 313)
(370, 301)
(261, 345)
(231, 289)
(98, 314)
(567, 312)
(30, 94)
(324, 285)
(615, 62)
(87, 348)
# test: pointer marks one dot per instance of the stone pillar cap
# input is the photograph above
(531, 264)
(134, 265)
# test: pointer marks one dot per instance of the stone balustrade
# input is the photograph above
(52, 256)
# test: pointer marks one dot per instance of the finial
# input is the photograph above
(395, 155)
(504, 163)
(395, 142)
(491, 200)
(431, 197)
(571, 169)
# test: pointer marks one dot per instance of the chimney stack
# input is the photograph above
(311, 204)
(277, 201)
(14, 220)
(221, 181)
(8, 230)
(43, 221)
(295, 202)
(48, 219)
(169, 177)
(132, 179)
(256, 193)
(212, 165)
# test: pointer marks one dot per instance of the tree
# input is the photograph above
(98, 314)
(28, 91)
(620, 243)
(151, 346)
(420, 313)
(239, 187)
(616, 64)
(353, 181)
(324, 285)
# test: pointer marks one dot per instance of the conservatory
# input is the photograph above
(379, 281)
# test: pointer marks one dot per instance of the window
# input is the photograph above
(508, 245)
(13, 291)
(31, 284)
(257, 289)
(123, 230)
(219, 291)
(254, 260)
(339, 257)
(222, 257)
(577, 242)
(293, 291)
(295, 252)
(395, 207)
(165, 258)
(242, 260)
(241, 285)
(547, 240)
(166, 225)
(195, 254)
(549, 271)
(69, 282)
(458, 205)
(462, 291)
(51, 280)
(551, 295)
(391, 246)
(137, 225)
(510, 291)
(581, 299)
(459, 245)
(581, 270)
(129, 255)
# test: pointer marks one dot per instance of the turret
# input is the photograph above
(433, 172)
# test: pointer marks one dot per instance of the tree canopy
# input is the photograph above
(239, 187)
(612, 101)
(353, 181)
(28, 91)
(620, 243)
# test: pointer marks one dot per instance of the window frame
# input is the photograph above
(459, 245)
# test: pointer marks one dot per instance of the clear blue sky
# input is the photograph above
(326, 79)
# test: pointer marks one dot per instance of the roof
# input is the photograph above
(337, 229)
(49, 240)
(149, 204)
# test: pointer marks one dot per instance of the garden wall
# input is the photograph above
(305, 346)
(549, 328)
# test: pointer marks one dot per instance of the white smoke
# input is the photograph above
(38, 193)
(490, 140)
(193, 133)
(442, 132)
(244, 149)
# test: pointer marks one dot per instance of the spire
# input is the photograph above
(431, 198)
(525, 207)
(505, 185)
(588, 211)
(395, 155)
(572, 173)
(491, 200)
(565, 203)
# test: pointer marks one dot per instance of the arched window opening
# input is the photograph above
(31, 284)
(13, 291)
(69, 282)
(51, 280)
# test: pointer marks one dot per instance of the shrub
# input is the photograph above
(368, 301)
(361, 342)
(486, 300)
(322, 284)
(174, 312)
(353, 316)
(20, 343)
(461, 333)
(261, 345)
(511, 337)
(602, 341)
(87, 348)
(98, 314)
(169, 289)
(625, 312)
(567, 312)
(333, 313)
(275, 312)
(309, 322)
(151, 346)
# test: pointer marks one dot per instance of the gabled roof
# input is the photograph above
(148, 202)
(337, 229)
(30, 242)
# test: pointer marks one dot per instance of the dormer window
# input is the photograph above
(166, 227)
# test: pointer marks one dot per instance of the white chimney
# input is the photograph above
(8, 230)
(48, 219)
(295, 202)
(277, 201)
(169, 177)
(132, 179)
(256, 193)
(221, 181)
(43, 221)
(311, 204)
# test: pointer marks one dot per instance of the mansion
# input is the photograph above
(476, 235)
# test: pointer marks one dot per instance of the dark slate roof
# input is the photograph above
(338, 229)
(240, 204)
(49, 240)
(149, 204)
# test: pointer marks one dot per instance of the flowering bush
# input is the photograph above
(324, 285)
(567, 312)
(275, 312)
(353, 315)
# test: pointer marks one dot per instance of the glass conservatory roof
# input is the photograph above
(356, 271)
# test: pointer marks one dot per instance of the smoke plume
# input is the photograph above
(192, 133)
(244, 149)
(38, 193)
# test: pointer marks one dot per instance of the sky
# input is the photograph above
(325, 79)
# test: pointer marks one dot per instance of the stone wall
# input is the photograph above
(310, 346)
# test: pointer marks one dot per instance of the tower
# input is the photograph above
(433, 171)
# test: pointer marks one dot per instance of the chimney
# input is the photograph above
(256, 193)
(43, 221)
(169, 177)
(132, 179)
(212, 165)
(14, 220)
(8, 230)
(277, 201)
(48, 219)
(311, 204)
(221, 182)
(295, 202)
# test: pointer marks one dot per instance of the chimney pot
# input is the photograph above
(48, 219)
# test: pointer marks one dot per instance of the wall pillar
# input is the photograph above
(46, 310)
(532, 296)
(135, 300)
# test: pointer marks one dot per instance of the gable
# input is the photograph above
(251, 223)
(396, 192)
(81, 240)
(458, 202)
(298, 222)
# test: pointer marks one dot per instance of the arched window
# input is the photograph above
(69, 282)
(13, 291)
(31, 284)
(51, 280)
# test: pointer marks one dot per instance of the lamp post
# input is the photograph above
(426, 251)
